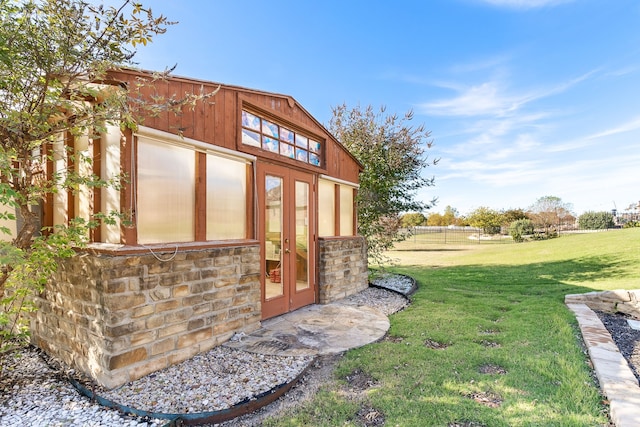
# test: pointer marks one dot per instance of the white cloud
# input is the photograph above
(629, 126)
(492, 98)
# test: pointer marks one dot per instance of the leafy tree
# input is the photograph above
(436, 220)
(520, 228)
(54, 58)
(548, 212)
(450, 216)
(392, 153)
(511, 215)
(487, 219)
(413, 219)
(596, 220)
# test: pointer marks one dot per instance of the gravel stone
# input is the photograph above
(35, 390)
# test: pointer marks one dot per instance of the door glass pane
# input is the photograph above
(302, 235)
(273, 237)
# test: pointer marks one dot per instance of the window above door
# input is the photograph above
(280, 139)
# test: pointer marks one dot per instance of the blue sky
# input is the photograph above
(524, 98)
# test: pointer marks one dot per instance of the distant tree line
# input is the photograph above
(542, 220)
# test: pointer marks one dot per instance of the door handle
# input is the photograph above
(287, 251)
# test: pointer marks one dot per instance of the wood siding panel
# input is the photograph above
(215, 120)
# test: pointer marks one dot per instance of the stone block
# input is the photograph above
(171, 279)
(155, 321)
(172, 329)
(201, 287)
(142, 338)
(163, 346)
(178, 315)
(124, 301)
(168, 305)
(228, 326)
(192, 338)
(125, 359)
(183, 354)
(181, 291)
(125, 329)
(159, 294)
(148, 368)
(144, 311)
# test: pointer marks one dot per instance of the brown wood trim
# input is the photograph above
(116, 250)
(96, 233)
(355, 212)
(340, 237)
(71, 166)
(47, 208)
(129, 232)
(336, 209)
(252, 203)
(201, 197)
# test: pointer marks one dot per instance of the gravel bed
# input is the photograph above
(37, 393)
(625, 337)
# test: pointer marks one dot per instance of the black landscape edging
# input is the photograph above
(212, 417)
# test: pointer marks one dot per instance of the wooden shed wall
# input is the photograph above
(215, 120)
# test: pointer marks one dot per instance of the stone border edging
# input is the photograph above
(414, 286)
(213, 417)
(616, 379)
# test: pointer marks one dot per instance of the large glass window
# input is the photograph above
(226, 198)
(276, 138)
(346, 211)
(326, 208)
(165, 192)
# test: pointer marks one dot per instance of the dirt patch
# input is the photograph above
(370, 417)
(465, 424)
(360, 381)
(489, 344)
(435, 345)
(489, 331)
(492, 369)
(486, 398)
(393, 339)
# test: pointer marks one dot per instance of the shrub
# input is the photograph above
(596, 220)
(520, 228)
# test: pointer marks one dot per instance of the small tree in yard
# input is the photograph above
(413, 219)
(596, 220)
(392, 153)
(520, 228)
(54, 58)
(549, 212)
(487, 219)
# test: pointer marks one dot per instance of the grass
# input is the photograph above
(512, 355)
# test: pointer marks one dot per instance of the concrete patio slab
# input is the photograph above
(315, 330)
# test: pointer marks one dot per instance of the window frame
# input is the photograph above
(256, 148)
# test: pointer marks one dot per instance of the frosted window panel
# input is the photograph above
(226, 198)
(326, 208)
(166, 192)
(346, 211)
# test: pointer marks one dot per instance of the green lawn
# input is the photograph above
(512, 353)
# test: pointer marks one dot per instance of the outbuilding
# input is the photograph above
(236, 210)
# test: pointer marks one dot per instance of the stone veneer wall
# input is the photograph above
(343, 268)
(118, 318)
(617, 301)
